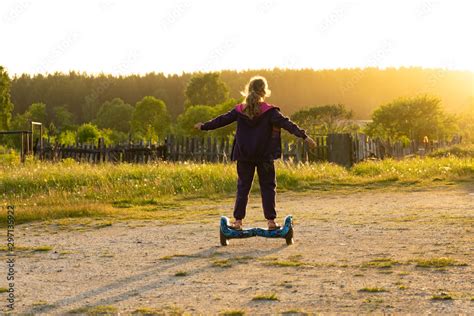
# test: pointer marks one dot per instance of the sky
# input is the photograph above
(123, 36)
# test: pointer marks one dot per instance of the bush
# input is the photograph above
(88, 133)
(113, 137)
(455, 151)
(8, 156)
(67, 138)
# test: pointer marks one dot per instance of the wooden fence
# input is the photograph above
(132, 152)
(364, 147)
(343, 149)
(199, 149)
(219, 149)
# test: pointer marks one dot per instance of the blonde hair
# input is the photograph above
(255, 91)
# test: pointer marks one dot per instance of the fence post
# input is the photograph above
(168, 155)
(362, 139)
(315, 156)
(187, 148)
(340, 149)
(208, 149)
(226, 149)
(100, 146)
(214, 153)
(305, 152)
(298, 151)
(202, 149)
(193, 148)
(285, 150)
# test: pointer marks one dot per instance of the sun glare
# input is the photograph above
(123, 37)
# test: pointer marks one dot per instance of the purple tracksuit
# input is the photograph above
(256, 144)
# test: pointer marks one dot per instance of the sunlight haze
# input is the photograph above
(123, 37)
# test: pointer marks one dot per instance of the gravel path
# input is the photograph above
(344, 243)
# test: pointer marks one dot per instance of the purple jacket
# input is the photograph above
(256, 139)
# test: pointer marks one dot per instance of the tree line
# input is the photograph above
(78, 107)
(360, 90)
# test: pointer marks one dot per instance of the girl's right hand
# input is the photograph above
(311, 143)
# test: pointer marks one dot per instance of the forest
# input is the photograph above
(81, 107)
(360, 90)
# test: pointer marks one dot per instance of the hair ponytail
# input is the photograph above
(255, 91)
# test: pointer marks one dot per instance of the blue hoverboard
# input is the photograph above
(226, 232)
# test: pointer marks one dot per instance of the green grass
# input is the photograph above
(292, 261)
(373, 301)
(49, 191)
(222, 263)
(381, 263)
(102, 225)
(441, 297)
(166, 311)
(175, 256)
(373, 289)
(147, 311)
(438, 262)
(232, 313)
(286, 284)
(39, 303)
(3, 290)
(181, 273)
(242, 259)
(43, 248)
(95, 310)
(265, 297)
(294, 312)
(226, 263)
(28, 248)
(284, 263)
(296, 257)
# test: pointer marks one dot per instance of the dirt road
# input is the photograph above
(395, 252)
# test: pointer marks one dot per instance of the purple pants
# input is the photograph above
(267, 181)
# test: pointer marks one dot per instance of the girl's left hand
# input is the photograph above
(310, 142)
(198, 126)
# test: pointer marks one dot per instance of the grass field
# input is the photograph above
(381, 237)
(44, 191)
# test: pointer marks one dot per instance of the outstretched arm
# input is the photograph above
(220, 121)
(279, 120)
